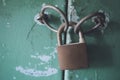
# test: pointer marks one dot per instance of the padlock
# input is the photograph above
(74, 55)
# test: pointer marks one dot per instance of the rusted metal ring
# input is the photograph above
(57, 10)
(100, 20)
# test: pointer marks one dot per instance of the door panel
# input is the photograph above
(27, 49)
(103, 47)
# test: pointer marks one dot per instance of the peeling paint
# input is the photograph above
(37, 16)
(106, 21)
(72, 16)
(102, 28)
(36, 73)
(72, 13)
(44, 58)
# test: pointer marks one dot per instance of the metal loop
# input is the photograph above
(57, 10)
(99, 20)
(61, 30)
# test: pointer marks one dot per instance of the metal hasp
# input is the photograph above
(98, 17)
(43, 17)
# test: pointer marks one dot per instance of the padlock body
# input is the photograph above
(72, 56)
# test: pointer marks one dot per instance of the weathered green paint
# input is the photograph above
(103, 48)
(22, 50)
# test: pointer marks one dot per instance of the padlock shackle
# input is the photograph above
(61, 30)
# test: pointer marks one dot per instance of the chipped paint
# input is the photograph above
(102, 28)
(106, 21)
(72, 16)
(72, 13)
(37, 16)
(44, 58)
(36, 73)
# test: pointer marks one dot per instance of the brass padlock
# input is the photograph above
(74, 55)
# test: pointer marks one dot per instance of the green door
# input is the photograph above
(103, 46)
(28, 48)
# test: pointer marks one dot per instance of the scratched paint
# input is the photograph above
(72, 14)
(36, 73)
(107, 20)
(44, 59)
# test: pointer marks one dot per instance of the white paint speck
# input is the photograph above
(33, 56)
(56, 5)
(77, 76)
(44, 58)
(14, 78)
(46, 67)
(41, 63)
(46, 47)
(36, 73)
(43, 4)
(37, 16)
(8, 25)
